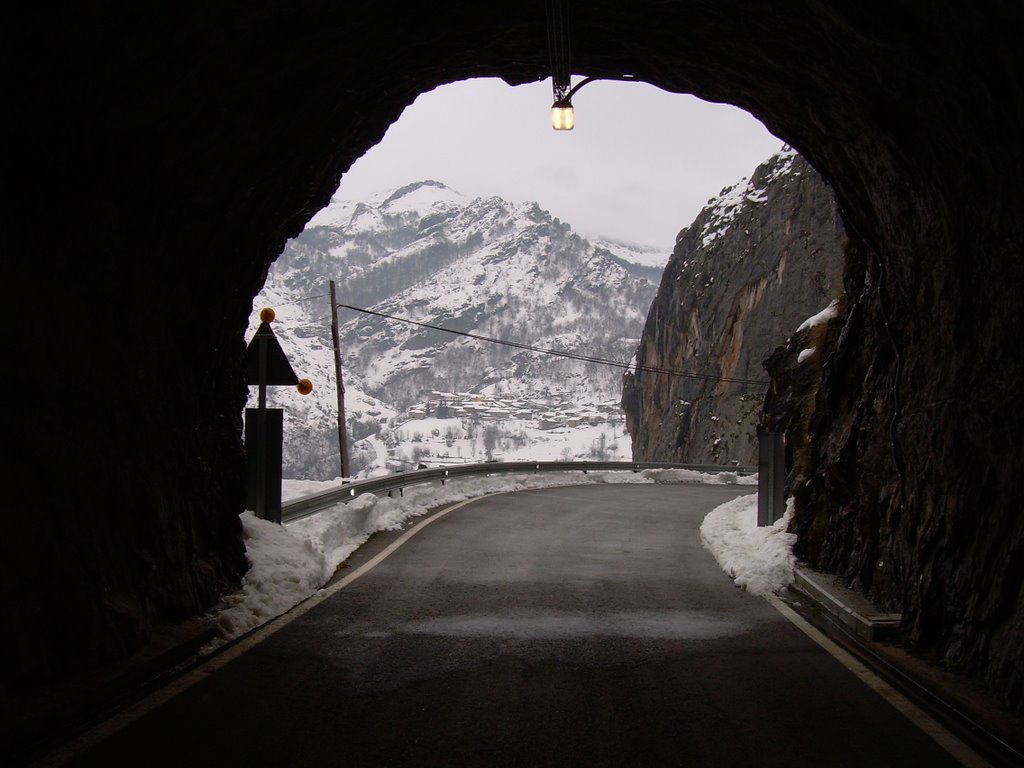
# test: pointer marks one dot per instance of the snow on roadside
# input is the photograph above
(282, 566)
(691, 476)
(758, 559)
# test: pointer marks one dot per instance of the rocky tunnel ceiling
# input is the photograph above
(158, 160)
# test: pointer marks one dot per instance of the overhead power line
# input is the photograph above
(561, 353)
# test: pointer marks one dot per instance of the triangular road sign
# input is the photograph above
(279, 371)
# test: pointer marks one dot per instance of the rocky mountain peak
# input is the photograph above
(421, 196)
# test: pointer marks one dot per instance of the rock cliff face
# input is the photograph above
(908, 513)
(758, 260)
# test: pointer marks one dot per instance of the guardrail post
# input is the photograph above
(771, 477)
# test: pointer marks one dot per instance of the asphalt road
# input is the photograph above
(576, 626)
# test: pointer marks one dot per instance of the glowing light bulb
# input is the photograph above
(562, 117)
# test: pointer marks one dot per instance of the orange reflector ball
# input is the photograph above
(305, 386)
(267, 315)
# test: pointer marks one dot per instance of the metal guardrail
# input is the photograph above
(308, 505)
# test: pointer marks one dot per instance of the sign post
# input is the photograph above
(266, 364)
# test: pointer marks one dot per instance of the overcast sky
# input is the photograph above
(639, 166)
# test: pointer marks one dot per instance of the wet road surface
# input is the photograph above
(575, 626)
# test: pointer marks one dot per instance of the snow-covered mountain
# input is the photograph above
(478, 268)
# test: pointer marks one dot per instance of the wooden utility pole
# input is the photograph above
(342, 432)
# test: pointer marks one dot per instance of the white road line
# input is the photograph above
(954, 746)
(129, 715)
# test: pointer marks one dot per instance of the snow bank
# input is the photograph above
(758, 559)
(282, 566)
(692, 476)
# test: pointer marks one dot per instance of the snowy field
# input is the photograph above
(291, 562)
(436, 441)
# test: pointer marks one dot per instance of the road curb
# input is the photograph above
(850, 608)
(848, 618)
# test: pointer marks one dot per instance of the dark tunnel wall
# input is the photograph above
(158, 160)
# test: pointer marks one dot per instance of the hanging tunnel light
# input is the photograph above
(563, 116)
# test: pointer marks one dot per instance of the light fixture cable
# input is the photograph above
(558, 48)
